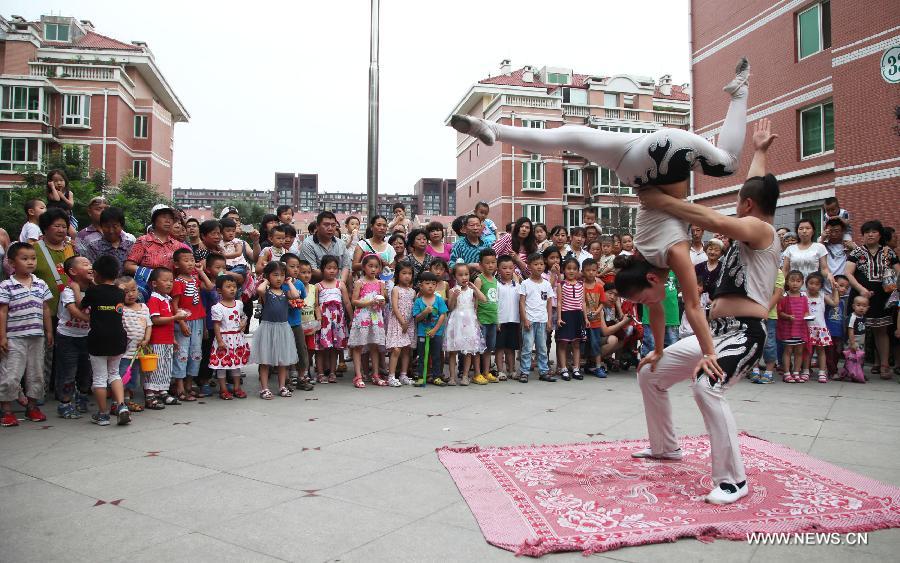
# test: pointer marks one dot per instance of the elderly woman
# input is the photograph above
(709, 269)
(418, 257)
(155, 249)
(872, 269)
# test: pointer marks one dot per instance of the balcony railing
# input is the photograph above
(570, 110)
(106, 73)
(671, 118)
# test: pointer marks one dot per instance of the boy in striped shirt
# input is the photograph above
(24, 325)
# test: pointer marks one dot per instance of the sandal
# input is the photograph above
(322, 379)
(133, 407)
(225, 395)
(358, 382)
(886, 372)
(152, 403)
(332, 378)
(170, 400)
(376, 379)
(240, 393)
(186, 397)
(285, 392)
(266, 394)
(876, 370)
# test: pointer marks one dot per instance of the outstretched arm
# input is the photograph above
(762, 138)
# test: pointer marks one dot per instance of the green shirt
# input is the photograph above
(779, 284)
(45, 271)
(487, 311)
(670, 304)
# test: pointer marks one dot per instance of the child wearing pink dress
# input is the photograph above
(792, 330)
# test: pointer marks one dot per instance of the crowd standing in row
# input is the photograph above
(79, 307)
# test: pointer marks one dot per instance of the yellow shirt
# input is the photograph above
(779, 284)
(308, 312)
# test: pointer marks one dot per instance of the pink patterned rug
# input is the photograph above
(594, 497)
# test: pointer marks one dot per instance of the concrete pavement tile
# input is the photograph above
(457, 514)
(446, 428)
(430, 462)
(235, 452)
(197, 547)
(308, 432)
(210, 500)
(856, 432)
(37, 501)
(884, 474)
(384, 445)
(752, 423)
(11, 477)
(687, 549)
(104, 532)
(796, 408)
(813, 554)
(864, 411)
(859, 453)
(65, 456)
(401, 489)
(443, 544)
(371, 418)
(309, 529)
(311, 470)
(794, 441)
(174, 436)
(130, 477)
(515, 435)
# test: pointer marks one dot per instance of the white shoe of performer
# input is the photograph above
(741, 76)
(475, 127)
(647, 453)
(726, 493)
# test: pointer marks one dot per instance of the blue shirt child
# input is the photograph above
(440, 308)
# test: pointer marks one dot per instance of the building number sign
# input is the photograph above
(890, 65)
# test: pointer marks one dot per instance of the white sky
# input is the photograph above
(283, 85)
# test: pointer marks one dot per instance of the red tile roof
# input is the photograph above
(678, 93)
(91, 40)
(515, 79)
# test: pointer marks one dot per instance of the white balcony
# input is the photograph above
(671, 118)
(100, 73)
(570, 110)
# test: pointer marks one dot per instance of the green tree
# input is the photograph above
(251, 212)
(136, 198)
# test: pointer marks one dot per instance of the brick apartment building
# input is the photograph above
(435, 196)
(67, 87)
(556, 188)
(817, 75)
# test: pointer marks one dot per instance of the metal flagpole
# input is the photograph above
(372, 172)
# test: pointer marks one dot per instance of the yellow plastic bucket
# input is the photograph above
(148, 362)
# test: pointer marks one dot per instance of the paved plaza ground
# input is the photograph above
(341, 474)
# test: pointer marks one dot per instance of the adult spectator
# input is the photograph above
(155, 249)
(324, 243)
(519, 244)
(437, 248)
(192, 226)
(114, 241)
(92, 232)
(708, 270)
(418, 257)
(268, 221)
(837, 245)
(4, 245)
(807, 256)
(374, 243)
(52, 250)
(469, 247)
(698, 253)
(870, 267)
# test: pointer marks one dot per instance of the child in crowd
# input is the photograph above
(107, 340)
(285, 214)
(595, 248)
(833, 210)
(273, 342)
(401, 330)
(25, 329)
(509, 331)
(138, 326)
(430, 313)
(591, 234)
(463, 330)
(855, 355)
(553, 274)
(836, 321)
(771, 348)
(486, 283)
(189, 334)
(440, 269)
(333, 306)
(615, 317)
(400, 222)
(277, 236)
(594, 300)
(819, 338)
(367, 330)
(235, 250)
(59, 195)
(299, 373)
(31, 232)
(489, 230)
(214, 266)
(792, 330)
(230, 351)
(162, 339)
(534, 310)
(606, 271)
(73, 363)
(627, 245)
(309, 317)
(571, 318)
(290, 237)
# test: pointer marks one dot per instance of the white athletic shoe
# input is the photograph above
(647, 453)
(721, 495)
(404, 380)
(475, 127)
(741, 76)
(393, 382)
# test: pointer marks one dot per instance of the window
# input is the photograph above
(77, 110)
(534, 212)
(18, 154)
(817, 129)
(628, 101)
(610, 100)
(78, 156)
(532, 174)
(557, 78)
(139, 169)
(56, 32)
(574, 218)
(618, 218)
(533, 123)
(141, 127)
(575, 96)
(24, 102)
(607, 182)
(814, 29)
(573, 181)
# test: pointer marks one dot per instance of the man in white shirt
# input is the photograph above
(697, 253)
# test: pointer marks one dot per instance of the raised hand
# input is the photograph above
(762, 134)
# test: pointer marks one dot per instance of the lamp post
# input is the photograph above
(372, 169)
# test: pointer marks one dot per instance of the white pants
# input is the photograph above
(105, 370)
(739, 344)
